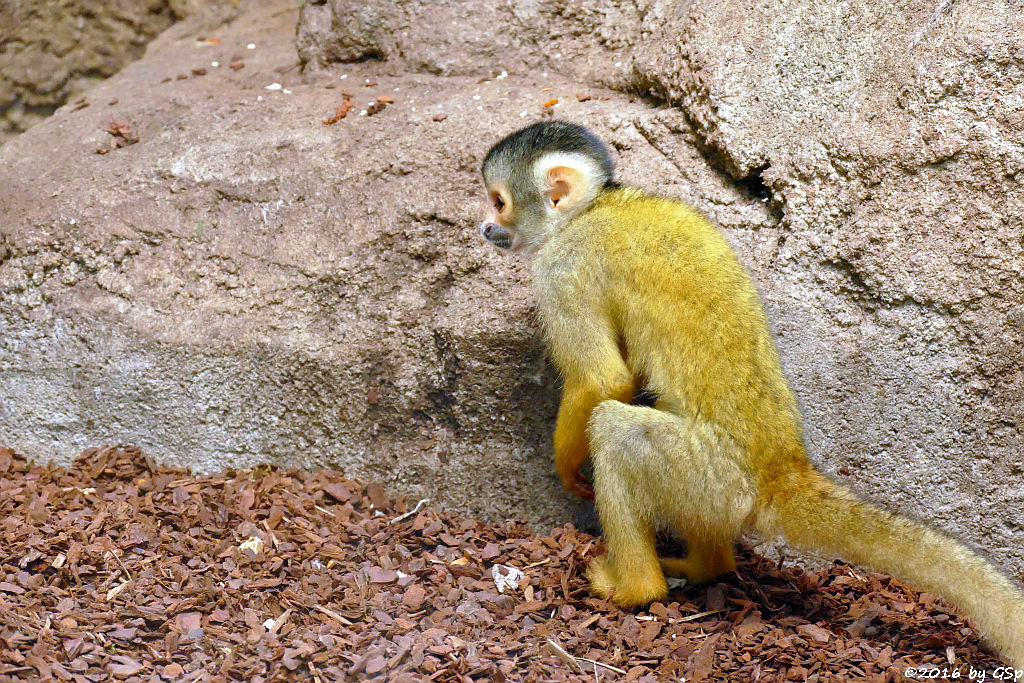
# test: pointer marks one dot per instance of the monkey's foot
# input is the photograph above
(639, 588)
(694, 569)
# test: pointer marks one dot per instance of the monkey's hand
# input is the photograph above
(577, 484)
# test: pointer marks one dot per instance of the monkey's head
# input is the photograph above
(539, 177)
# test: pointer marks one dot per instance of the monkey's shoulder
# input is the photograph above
(629, 223)
(634, 213)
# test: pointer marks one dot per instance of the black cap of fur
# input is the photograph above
(538, 139)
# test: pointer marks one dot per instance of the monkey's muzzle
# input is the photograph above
(496, 235)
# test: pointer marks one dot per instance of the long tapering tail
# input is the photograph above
(816, 514)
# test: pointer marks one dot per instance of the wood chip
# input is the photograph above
(564, 656)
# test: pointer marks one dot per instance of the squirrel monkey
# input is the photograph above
(635, 290)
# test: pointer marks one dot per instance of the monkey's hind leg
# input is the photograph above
(655, 468)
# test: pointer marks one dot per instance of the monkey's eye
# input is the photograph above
(499, 203)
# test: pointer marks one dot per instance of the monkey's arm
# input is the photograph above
(579, 398)
(583, 346)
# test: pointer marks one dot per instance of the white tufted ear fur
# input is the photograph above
(568, 181)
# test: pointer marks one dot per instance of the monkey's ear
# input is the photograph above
(568, 181)
(567, 187)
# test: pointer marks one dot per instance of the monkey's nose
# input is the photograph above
(496, 235)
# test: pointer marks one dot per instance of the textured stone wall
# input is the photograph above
(53, 51)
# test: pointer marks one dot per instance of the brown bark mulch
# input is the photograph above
(117, 568)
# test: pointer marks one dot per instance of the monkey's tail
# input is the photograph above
(816, 514)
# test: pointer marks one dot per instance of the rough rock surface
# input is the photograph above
(51, 52)
(247, 283)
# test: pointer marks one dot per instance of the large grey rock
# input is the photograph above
(247, 283)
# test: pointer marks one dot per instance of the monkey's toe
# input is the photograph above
(626, 591)
(602, 581)
(577, 484)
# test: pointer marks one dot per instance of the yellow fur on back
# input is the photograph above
(698, 337)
